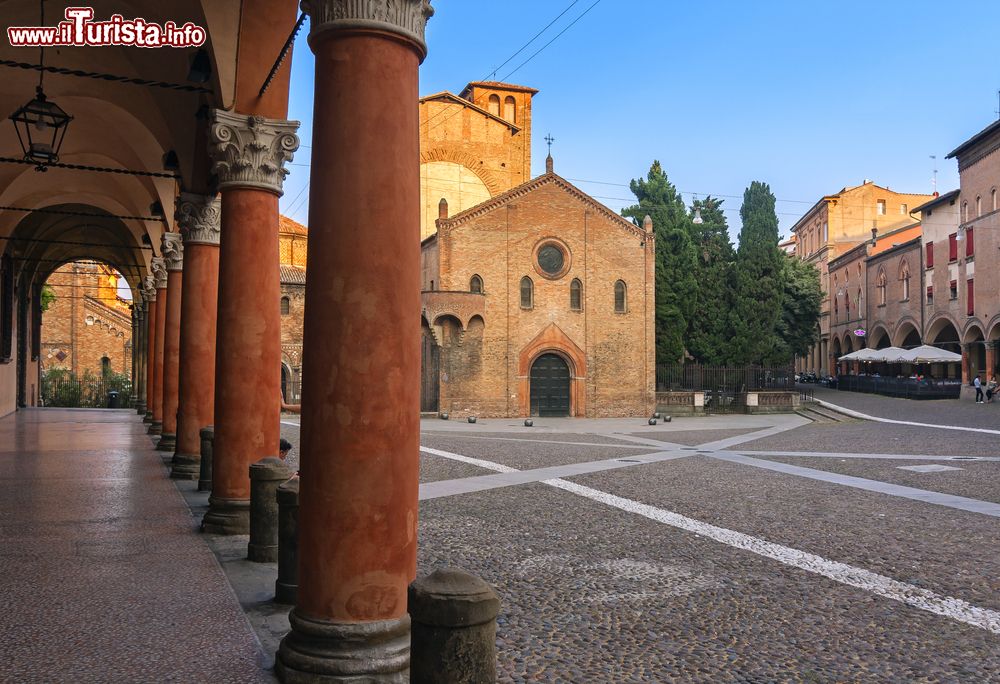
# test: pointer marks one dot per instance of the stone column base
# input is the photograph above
(155, 427)
(227, 516)
(185, 467)
(317, 651)
(148, 418)
(140, 408)
(168, 442)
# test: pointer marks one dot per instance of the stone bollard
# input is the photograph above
(205, 472)
(453, 629)
(286, 587)
(265, 476)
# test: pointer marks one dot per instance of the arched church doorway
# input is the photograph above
(550, 386)
(430, 372)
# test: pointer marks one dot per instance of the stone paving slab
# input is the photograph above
(696, 437)
(104, 579)
(594, 594)
(873, 438)
(952, 552)
(526, 456)
(436, 469)
(976, 479)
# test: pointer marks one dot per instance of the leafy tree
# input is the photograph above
(797, 330)
(48, 296)
(708, 328)
(676, 284)
(756, 282)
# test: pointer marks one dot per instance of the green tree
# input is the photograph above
(797, 329)
(48, 296)
(756, 282)
(676, 286)
(708, 327)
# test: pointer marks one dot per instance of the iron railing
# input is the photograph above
(87, 393)
(691, 377)
(905, 388)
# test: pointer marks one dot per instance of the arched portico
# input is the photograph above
(552, 340)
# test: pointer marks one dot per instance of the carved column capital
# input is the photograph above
(159, 267)
(173, 251)
(199, 218)
(149, 289)
(406, 18)
(251, 151)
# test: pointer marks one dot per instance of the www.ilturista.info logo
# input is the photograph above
(80, 29)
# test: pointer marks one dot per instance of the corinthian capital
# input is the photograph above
(159, 272)
(199, 218)
(406, 18)
(251, 151)
(173, 251)
(149, 289)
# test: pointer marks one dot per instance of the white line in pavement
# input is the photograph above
(865, 416)
(285, 422)
(458, 435)
(886, 587)
(850, 455)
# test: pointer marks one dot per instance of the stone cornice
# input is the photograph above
(199, 218)
(251, 151)
(159, 267)
(405, 18)
(173, 251)
(149, 289)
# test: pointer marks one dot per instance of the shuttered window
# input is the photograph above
(952, 247)
(930, 255)
(970, 242)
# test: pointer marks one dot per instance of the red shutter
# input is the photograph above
(952, 247)
(930, 255)
(971, 308)
(970, 243)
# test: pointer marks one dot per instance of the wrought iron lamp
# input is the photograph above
(697, 220)
(41, 124)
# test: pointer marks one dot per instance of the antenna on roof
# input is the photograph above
(934, 179)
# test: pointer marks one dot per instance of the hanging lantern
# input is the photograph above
(41, 127)
(698, 220)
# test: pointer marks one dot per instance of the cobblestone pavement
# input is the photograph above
(698, 569)
(962, 412)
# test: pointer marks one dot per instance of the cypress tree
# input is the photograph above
(676, 287)
(756, 282)
(798, 329)
(708, 328)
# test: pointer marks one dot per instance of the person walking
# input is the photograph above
(978, 384)
(991, 389)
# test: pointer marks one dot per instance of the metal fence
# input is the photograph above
(691, 377)
(905, 388)
(87, 393)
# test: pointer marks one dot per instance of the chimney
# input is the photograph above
(443, 208)
(647, 224)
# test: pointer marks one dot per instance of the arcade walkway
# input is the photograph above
(102, 573)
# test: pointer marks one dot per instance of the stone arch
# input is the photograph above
(973, 330)
(905, 332)
(939, 325)
(475, 319)
(878, 337)
(993, 329)
(552, 340)
(469, 161)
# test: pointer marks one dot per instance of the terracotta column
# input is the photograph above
(173, 255)
(249, 154)
(139, 355)
(160, 273)
(966, 350)
(149, 294)
(198, 217)
(991, 359)
(361, 393)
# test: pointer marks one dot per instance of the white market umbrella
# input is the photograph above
(861, 355)
(928, 354)
(891, 355)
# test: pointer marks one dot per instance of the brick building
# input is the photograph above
(538, 302)
(88, 327)
(837, 224)
(293, 239)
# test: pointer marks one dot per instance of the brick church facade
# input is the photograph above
(537, 299)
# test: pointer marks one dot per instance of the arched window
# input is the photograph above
(979, 205)
(965, 212)
(576, 295)
(993, 196)
(904, 275)
(285, 306)
(493, 107)
(880, 284)
(621, 297)
(509, 109)
(476, 284)
(527, 293)
(105, 365)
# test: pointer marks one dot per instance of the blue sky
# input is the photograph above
(807, 96)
